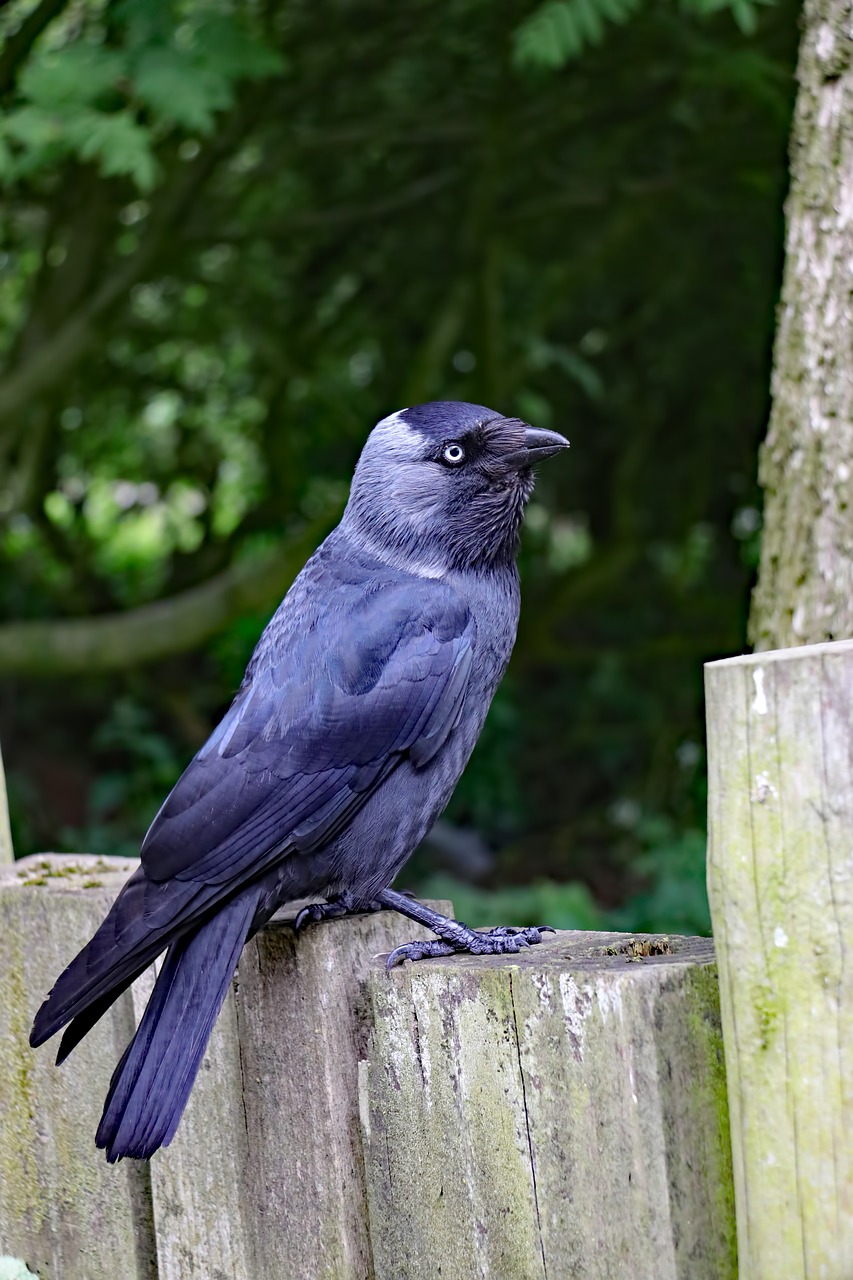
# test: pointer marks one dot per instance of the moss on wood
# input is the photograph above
(780, 741)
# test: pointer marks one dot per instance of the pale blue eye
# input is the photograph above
(453, 453)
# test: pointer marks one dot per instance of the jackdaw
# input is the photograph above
(356, 716)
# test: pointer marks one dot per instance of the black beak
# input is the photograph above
(543, 444)
(537, 444)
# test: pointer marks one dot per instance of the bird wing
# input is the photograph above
(314, 730)
(324, 715)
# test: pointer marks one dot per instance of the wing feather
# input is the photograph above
(310, 736)
(318, 724)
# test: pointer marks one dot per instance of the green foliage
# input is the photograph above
(671, 897)
(233, 236)
(138, 765)
(114, 107)
(669, 892)
(744, 12)
(188, 80)
(560, 30)
(562, 906)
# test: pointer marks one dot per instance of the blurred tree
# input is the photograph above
(231, 241)
(804, 590)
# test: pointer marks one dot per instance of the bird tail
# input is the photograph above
(141, 923)
(152, 1082)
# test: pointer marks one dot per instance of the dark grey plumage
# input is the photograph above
(357, 714)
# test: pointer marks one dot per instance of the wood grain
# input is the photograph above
(780, 878)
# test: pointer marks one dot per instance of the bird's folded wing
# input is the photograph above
(321, 720)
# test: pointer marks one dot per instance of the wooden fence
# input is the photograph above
(6, 855)
(561, 1113)
(780, 876)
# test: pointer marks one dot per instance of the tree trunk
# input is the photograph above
(804, 591)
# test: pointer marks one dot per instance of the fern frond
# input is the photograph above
(560, 30)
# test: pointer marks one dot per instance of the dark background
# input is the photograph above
(234, 236)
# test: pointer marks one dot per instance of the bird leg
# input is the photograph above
(344, 904)
(454, 935)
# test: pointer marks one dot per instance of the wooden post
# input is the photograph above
(780, 876)
(7, 854)
(557, 1113)
(62, 1209)
(265, 1178)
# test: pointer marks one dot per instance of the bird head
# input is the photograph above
(443, 486)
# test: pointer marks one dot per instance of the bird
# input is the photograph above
(358, 711)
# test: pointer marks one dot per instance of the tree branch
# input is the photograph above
(178, 624)
(18, 45)
(56, 357)
(335, 216)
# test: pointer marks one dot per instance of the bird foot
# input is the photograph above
(344, 905)
(503, 940)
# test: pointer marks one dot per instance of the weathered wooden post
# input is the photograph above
(265, 1178)
(780, 756)
(6, 853)
(556, 1114)
(62, 1210)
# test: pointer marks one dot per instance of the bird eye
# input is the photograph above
(453, 454)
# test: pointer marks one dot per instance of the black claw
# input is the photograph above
(419, 951)
(316, 912)
(345, 905)
(504, 940)
(511, 930)
(305, 916)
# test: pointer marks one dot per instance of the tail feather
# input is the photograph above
(142, 921)
(83, 1023)
(152, 1082)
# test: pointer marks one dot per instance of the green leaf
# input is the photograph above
(745, 16)
(589, 20)
(548, 38)
(544, 355)
(74, 99)
(222, 44)
(561, 29)
(147, 21)
(177, 88)
(74, 76)
(187, 81)
(7, 161)
(744, 12)
(117, 143)
(34, 128)
(619, 11)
